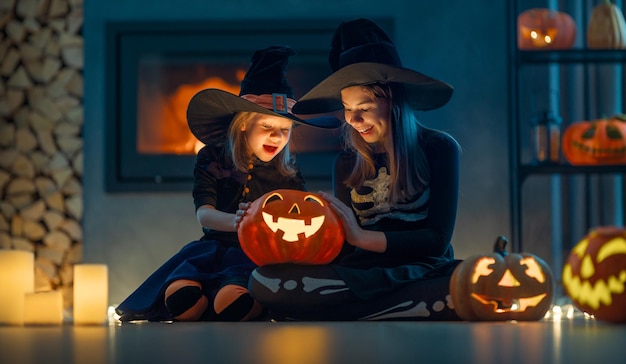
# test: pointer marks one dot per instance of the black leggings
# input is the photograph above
(317, 292)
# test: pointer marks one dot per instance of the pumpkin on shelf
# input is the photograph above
(541, 28)
(290, 226)
(594, 276)
(596, 142)
(606, 28)
(502, 286)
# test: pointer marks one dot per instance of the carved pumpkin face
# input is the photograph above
(594, 276)
(290, 226)
(502, 286)
(545, 29)
(601, 141)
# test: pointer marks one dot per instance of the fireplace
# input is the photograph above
(154, 68)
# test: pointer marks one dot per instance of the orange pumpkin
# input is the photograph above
(502, 286)
(290, 226)
(596, 142)
(594, 276)
(541, 28)
(606, 28)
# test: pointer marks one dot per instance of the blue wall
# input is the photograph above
(461, 42)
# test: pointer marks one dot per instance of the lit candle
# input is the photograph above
(17, 277)
(91, 293)
(43, 308)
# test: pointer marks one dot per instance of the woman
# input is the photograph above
(246, 155)
(396, 192)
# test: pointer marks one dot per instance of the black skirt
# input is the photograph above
(213, 263)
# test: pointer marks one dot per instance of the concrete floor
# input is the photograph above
(577, 340)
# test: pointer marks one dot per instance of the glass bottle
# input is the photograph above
(546, 138)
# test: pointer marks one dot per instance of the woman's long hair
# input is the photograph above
(239, 152)
(408, 166)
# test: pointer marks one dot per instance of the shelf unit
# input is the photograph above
(520, 167)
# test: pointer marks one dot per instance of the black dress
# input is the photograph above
(216, 259)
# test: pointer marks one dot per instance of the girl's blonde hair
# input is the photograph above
(239, 152)
(410, 175)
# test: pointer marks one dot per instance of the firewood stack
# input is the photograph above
(41, 145)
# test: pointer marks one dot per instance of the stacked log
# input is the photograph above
(41, 145)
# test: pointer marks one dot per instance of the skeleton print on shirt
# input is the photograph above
(371, 202)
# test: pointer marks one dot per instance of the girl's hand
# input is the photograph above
(241, 213)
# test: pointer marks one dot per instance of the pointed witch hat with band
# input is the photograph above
(264, 90)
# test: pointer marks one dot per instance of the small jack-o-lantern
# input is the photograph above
(290, 226)
(594, 276)
(502, 286)
(596, 142)
(541, 28)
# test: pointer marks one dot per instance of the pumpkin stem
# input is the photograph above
(500, 245)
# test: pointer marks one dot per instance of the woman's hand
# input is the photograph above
(375, 241)
(350, 226)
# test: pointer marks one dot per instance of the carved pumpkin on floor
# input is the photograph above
(502, 286)
(596, 142)
(594, 276)
(541, 28)
(290, 226)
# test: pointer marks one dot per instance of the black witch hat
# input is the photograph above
(362, 53)
(264, 90)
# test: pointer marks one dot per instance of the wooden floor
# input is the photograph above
(577, 340)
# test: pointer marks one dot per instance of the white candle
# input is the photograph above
(17, 277)
(43, 308)
(91, 293)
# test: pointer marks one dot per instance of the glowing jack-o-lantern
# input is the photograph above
(502, 286)
(596, 142)
(541, 28)
(594, 276)
(290, 226)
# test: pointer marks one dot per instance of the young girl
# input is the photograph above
(395, 188)
(246, 155)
